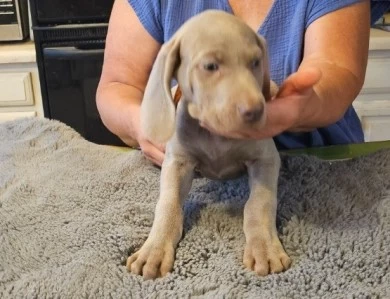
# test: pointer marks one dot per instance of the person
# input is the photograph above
(317, 50)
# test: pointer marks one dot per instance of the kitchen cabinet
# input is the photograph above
(373, 102)
(20, 93)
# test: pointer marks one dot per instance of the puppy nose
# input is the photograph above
(251, 114)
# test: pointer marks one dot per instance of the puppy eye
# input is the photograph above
(255, 63)
(211, 67)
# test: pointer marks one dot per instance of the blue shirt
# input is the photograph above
(284, 29)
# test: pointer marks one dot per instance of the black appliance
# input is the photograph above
(69, 38)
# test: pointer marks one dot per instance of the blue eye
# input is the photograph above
(255, 63)
(211, 67)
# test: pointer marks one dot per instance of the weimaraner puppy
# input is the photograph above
(221, 67)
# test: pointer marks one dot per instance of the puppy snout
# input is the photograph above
(251, 114)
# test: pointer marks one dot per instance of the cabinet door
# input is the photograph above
(373, 102)
(16, 89)
(376, 128)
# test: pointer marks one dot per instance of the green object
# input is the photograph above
(333, 152)
(338, 152)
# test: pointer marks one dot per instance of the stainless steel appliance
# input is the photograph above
(13, 20)
(70, 37)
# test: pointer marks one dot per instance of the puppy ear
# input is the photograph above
(265, 63)
(157, 108)
(273, 89)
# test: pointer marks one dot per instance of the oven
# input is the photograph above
(70, 38)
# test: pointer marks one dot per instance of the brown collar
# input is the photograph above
(177, 96)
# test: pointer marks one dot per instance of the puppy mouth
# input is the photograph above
(209, 128)
(227, 134)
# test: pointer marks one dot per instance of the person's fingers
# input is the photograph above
(301, 129)
(152, 152)
(160, 146)
(281, 114)
(154, 161)
(299, 82)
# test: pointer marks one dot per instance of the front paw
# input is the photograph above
(154, 259)
(265, 256)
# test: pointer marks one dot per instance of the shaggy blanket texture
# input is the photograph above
(71, 212)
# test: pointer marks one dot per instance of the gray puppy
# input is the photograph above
(221, 66)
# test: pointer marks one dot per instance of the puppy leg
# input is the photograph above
(263, 251)
(156, 256)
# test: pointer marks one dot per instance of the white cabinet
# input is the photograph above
(16, 89)
(376, 128)
(20, 93)
(373, 103)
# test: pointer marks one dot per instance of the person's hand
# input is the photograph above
(153, 152)
(295, 105)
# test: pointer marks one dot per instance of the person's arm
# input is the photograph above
(337, 44)
(330, 76)
(128, 58)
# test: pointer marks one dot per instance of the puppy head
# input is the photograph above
(221, 66)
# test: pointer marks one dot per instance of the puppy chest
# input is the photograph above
(219, 165)
(216, 157)
(216, 171)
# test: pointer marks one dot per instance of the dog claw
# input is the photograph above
(151, 261)
(266, 257)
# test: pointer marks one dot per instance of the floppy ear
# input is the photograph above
(265, 63)
(157, 108)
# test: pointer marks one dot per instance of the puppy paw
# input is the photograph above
(152, 260)
(265, 256)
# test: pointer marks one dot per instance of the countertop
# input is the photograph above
(17, 52)
(379, 39)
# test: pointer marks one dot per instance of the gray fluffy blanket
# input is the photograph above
(71, 212)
